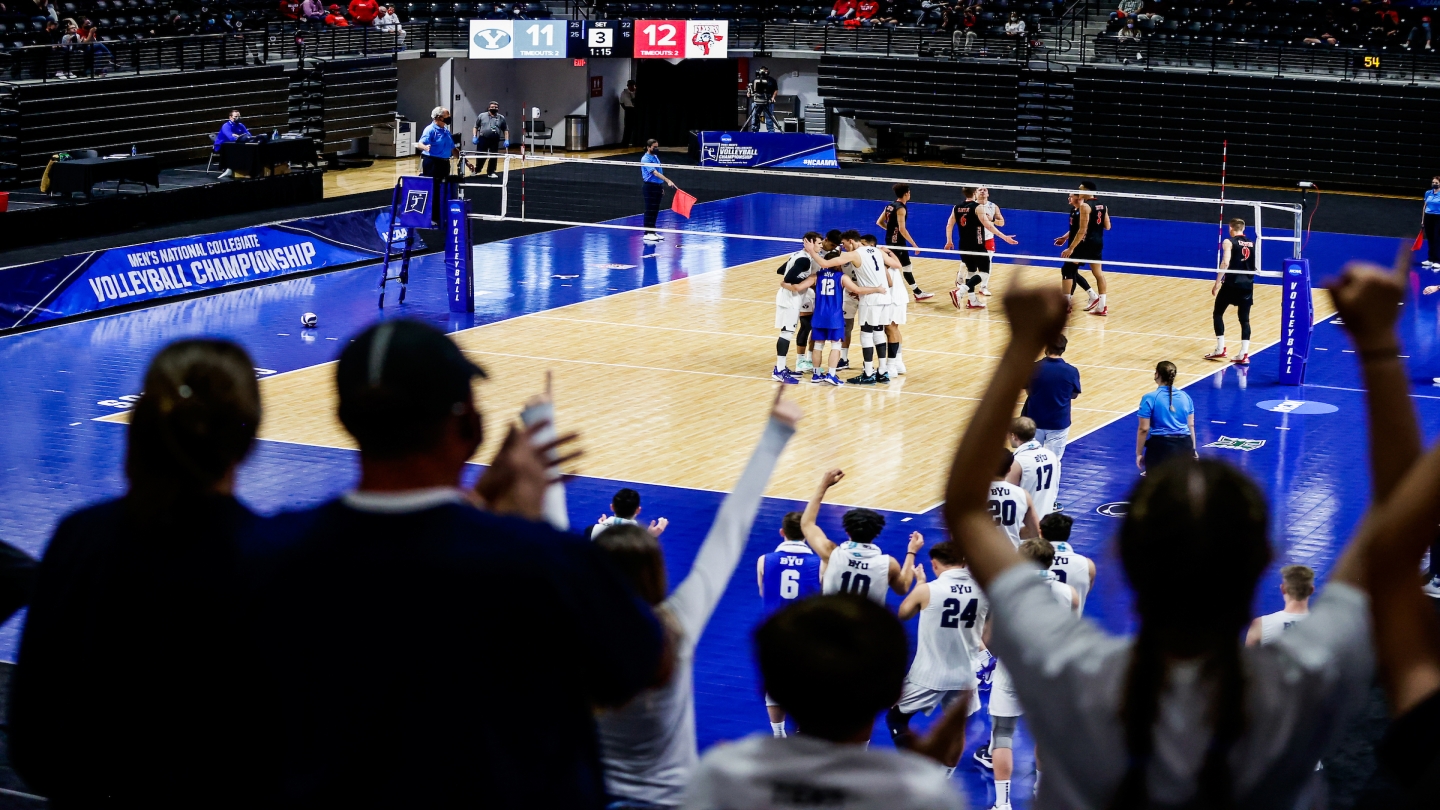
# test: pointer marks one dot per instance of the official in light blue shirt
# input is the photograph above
(1167, 422)
(1430, 223)
(437, 145)
(652, 183)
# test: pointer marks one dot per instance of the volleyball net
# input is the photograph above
(1151, 232)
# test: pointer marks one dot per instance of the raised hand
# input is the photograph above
(515, 482)
(783, 410)
(1036, 314)
(831, 478)
(657, 527)
(919, 574)
(917, 542)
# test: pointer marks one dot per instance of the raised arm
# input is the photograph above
(849, 285)
(903, 576)
(814, 535)
(695, 599)
(1036, 316)
(919, 597)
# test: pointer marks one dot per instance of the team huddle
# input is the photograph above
(842, 277)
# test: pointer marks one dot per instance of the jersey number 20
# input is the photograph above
(1003, 512)
(858, 584)
(952, 615)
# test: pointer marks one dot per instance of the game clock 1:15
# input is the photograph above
(596, 39)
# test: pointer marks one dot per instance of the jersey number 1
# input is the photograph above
(858, 584)
(952, 615)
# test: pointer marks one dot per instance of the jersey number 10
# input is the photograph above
(858, 584)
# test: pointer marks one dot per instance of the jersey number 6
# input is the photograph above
(789, 583)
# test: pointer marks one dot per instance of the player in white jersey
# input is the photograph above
(798, 278)
(982, 196)
(1005, 709)
(1011, 507)
(1070, 567)
(899, 307)
(802, 339)
(874, 312)
(1297, 583)
(948, 645)
(1036, 469)
(858, 566)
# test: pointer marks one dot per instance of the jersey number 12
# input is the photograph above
(827, 287)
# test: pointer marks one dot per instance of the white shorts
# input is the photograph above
(807, 304)
(917, 698)
(769, 701)
(897, 311)
(1003, 700)
(849, 305)
(787, 317)
(875, 314)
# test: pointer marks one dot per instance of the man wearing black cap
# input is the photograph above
(428, 652)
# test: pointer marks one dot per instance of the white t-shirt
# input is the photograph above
(1039, 475)
(1299, 694)
(762, 772)
(1072, 569)
(1008, 509)
(871, 272)
(948, 637)
(1273, 624)
(858, 568)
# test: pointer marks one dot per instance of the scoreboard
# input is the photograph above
(594, 39)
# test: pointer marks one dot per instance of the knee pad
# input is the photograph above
(867, 339)
(1002, 732)
(787, 333)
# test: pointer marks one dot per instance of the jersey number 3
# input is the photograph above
(952, 615)
(858, 584)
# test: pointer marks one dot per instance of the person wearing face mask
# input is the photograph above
(230, 131)
(491, 134)
(437, 144)
(1430, 221)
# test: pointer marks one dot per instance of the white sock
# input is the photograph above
(1002, 794)
(1092, 295)
(778, 729)
(869, 367)
(1102, 300)
(881, 360)
(845, 354)
(1244, 347)
(1219, 343)
(896, 357)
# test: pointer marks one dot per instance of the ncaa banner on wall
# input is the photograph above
(88, 283)
(778, 149)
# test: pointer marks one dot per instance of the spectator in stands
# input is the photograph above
(51, 34)
(314, 12)
(389, 22)
(866, 12)
(491, 134)
(401, 661)
(364, 12)
(1129, 45)
(1127, 9)
(45, 11)
(230, 131)
(836, 639)
(928, 13)
(842, 11)
(133, 687)
(290, 10)
(336, 18)
(1419, 38)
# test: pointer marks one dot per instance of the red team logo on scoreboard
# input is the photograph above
(707, 34)
(682, 39)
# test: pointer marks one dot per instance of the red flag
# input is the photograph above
(682, 202)
(1419, 240)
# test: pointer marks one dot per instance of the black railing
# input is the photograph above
(898, 40)
(1280, 59)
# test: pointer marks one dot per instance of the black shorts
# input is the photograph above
(1234, 295)
(903, 256)
(1087, 251)
(976, 264)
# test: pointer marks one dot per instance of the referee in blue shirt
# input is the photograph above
(1430, 222)
(652, 183)
(1167, 422)
(437, 144)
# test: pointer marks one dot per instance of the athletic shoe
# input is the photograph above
(921, 295)
(783, 375)
(1058, 507)
(1242, 360)
(1105, 311)
(1091, 306)
(1436, 380)
(1220, 355)
(955, 297)
(969, 305)
(493, 176)
(804, 364)
(897, 367)
(652, 237)
(1427, 265)
(844, 364)
(863, 379)
(816, 377)
(982, 756)
(833, 380)
(985, 674)
(882, 377)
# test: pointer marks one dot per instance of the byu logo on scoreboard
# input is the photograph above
(491, 39)
(415, 202)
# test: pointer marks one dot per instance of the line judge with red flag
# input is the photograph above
(652, 183)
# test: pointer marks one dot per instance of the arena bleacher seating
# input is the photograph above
(1379, 25)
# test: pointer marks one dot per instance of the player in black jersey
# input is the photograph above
(894, 220)
(973, 223)
(1089, 220)
(1237, 253)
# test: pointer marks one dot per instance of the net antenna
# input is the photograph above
(1220, 231)
(604, 194)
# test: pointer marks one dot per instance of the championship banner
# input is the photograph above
(1297, 319)
(88, 283)
(778, 149)
(457, 256)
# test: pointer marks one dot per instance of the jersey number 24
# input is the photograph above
(952, 615)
